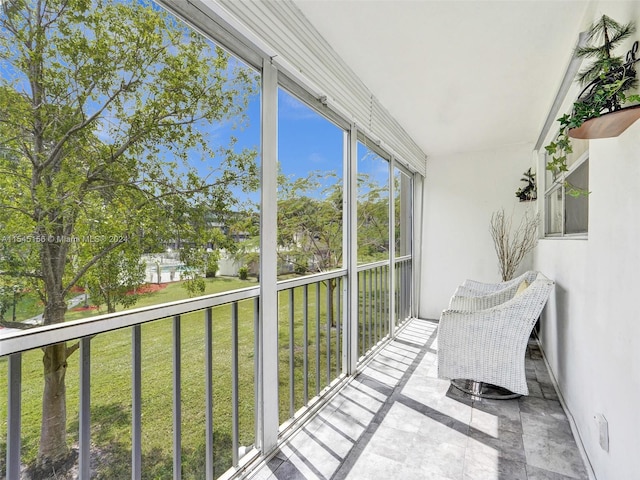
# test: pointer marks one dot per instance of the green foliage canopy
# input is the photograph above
(108, 148)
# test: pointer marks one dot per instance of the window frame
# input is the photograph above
(556, 183)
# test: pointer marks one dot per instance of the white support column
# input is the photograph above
(416, 247)
(392, 249)
(350, 249)
(268, 331)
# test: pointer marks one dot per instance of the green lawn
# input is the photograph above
(111, 385)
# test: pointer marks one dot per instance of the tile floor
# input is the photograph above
(397, 420)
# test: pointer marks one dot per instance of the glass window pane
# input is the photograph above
(554, 211)
(577, 207)
(310, 154)
(403, 212)
(373, 206)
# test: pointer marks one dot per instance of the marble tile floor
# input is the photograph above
(397, 420)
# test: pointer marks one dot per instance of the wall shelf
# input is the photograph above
(608, 125)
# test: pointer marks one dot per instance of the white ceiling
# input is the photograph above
(459, 76)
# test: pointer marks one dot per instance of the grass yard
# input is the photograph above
(111, 384)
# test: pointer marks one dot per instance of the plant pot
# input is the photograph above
(608, 125)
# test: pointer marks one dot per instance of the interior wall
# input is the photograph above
(461, 192)
(591, 328)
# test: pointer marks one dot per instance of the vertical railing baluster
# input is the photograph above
(177, 408)
(362, 289)
(404, 290)
(256, 369)
(14, 413)
(398, 278)
(380, 302)
(400, 293)
(208, 351)
(383, 302)
(370, 308)
(387, 299)
(338, 324)
(136, 402)
(317, 338)
(292, 398)
(328, 339)
(376, 304)
(84, 434)
(234, 384)
(408, 287)
(305, 343)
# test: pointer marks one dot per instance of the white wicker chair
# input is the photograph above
(470, 303)
(474, 288)
(470, 299)
(489, 345)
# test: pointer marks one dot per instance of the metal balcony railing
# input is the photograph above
(310, 340)
(181, 377)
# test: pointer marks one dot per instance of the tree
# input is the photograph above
(115, 278)
(105, 108)
(310, 225)
(373, 219)
(310, 222)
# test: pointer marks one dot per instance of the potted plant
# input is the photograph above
(606, 81)
(528, 192)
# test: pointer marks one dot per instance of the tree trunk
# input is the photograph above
(53, 434)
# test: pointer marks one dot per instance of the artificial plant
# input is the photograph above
(528, 192)
(605, 82)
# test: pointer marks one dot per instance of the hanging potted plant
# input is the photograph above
(606, 81)
(528, 192)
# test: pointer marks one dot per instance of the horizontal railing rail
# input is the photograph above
(372, 265)
(309, 279)
(42, 336)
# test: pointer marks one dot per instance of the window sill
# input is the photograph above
(575, 236)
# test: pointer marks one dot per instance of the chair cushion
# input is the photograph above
(522, 287)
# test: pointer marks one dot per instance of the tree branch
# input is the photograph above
(16, 325)
(89, 264)
(72, 349)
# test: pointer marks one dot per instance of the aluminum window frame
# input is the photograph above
(559, 184)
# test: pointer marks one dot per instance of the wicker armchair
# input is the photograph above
(469, 303)
(488, 295)
(473, 288)
(489, 345)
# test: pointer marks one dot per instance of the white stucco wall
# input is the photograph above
(460, 194)
(591, 329)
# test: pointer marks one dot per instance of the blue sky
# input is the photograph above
(306, 140)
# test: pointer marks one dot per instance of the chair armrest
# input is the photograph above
(461, 300)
